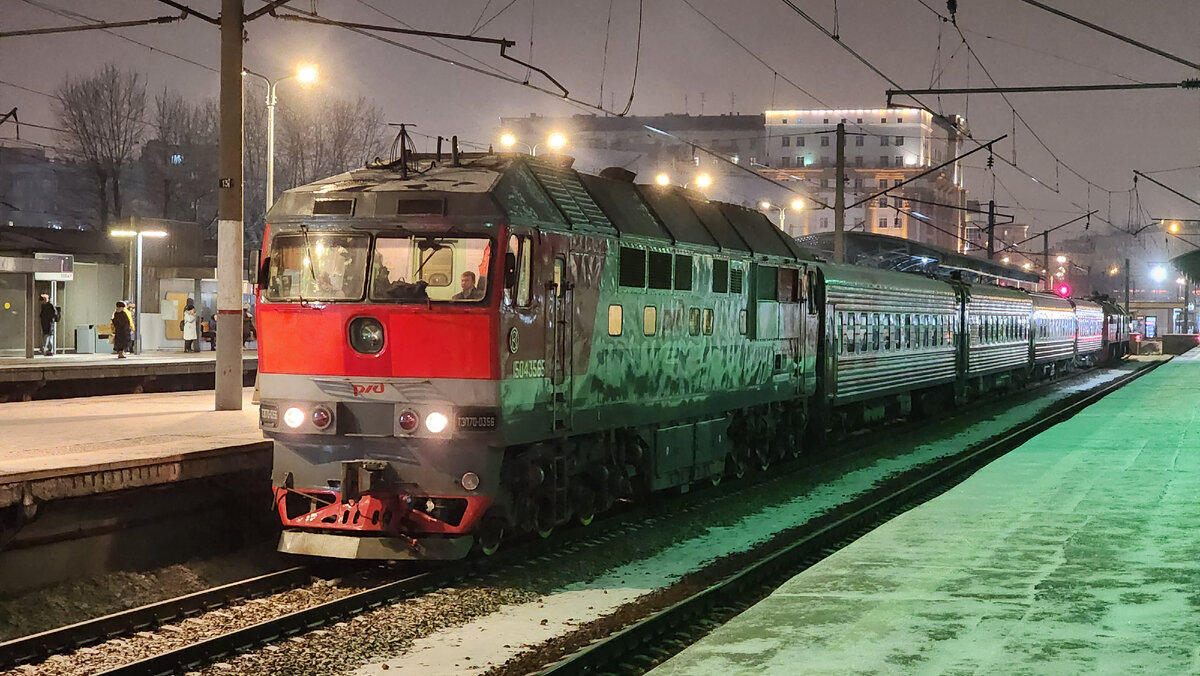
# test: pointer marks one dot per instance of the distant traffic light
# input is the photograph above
(1063, 290)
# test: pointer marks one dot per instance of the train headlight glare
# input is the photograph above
(408, 421)
(366, 335)
(436, 422)
(321, 417)
(470, 481)
(293, 417)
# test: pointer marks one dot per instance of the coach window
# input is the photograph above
(851, 337)
(875, 331)
(649, 320)
(937, 330)
(694, 321)
(907, 331)
(614, 320)
(708, 321)
(862, 332)
(887, 331)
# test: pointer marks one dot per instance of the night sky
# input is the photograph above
(687, 65)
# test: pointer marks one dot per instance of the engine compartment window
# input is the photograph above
(431, 269)
(317, 266)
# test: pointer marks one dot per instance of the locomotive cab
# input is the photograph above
(379, 383)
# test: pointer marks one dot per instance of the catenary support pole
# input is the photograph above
(839, 201)
(1046, 260)
(1126, 286)
(229, 215)
(991, 250)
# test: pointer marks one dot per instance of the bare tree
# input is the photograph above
(102, 116)
(324, 137)
(180, 163)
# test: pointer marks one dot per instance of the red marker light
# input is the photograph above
(1063, 290)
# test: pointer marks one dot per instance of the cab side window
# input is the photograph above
(521, 247)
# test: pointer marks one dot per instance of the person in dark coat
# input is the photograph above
(48, 316)
(122, 330)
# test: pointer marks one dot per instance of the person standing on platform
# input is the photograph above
(191, 328)
(122, 330)
(49, 315)
(248, 333)
(130, 309)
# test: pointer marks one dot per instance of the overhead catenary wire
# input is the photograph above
(83, 18)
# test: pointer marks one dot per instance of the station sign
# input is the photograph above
(66, 268)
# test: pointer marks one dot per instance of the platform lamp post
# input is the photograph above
(137, 234)
(306, 74)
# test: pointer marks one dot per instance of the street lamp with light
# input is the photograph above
(662, 179)
(795, 205)
(702, 181)
(556, 141)
(508, 140)
(306, 74)
(1061, 258)
(1158, 274)
(139, 235)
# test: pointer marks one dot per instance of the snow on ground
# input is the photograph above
(494, 639)
(1075, 553)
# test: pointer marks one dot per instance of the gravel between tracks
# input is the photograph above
(67, 603)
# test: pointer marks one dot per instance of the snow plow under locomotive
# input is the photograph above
(501, 344)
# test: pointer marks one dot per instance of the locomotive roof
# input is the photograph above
(549, 194)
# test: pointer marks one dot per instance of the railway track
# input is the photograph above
(690, 609)
(821, 536)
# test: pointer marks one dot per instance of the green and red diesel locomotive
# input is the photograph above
(499, 344)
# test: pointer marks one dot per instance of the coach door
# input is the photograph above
(560, 298)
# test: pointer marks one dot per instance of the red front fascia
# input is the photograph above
(420, 341)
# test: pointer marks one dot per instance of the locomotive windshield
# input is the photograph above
(317, 266)
(426, 268)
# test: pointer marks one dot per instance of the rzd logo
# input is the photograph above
(368, 388)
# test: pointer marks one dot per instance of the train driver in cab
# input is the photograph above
(469, 290)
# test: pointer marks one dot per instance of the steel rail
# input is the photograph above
(36, 647)
(650, 641)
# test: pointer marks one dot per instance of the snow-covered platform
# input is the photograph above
(73, 447)
(1075, 553)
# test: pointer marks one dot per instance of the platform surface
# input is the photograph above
(112, 442)
(71, 366)
(1077, 553)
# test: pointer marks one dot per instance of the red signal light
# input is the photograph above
(1063, 290)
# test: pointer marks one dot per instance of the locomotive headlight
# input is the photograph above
(293, 417)
(321, 417)
(436, 422)
(366, 335)
(470, 481)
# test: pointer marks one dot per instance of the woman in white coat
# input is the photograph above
(191, 329)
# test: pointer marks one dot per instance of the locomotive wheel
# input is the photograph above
(490, 535)
(715, 479)
(586, 520)
(545, 533)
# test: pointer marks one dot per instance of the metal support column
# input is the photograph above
(229, 216)
(839, 202)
